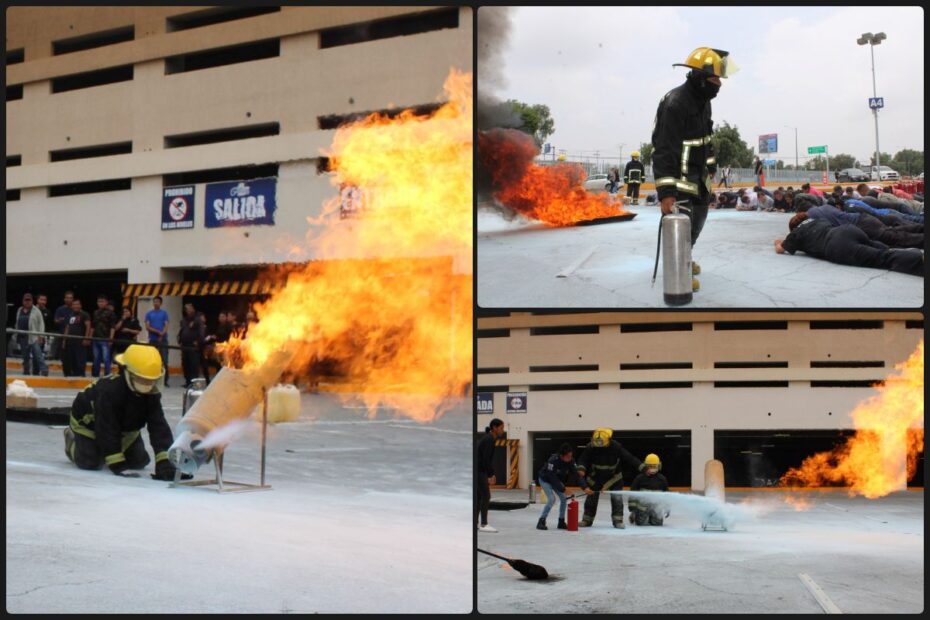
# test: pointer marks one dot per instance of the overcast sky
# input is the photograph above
(602, 71)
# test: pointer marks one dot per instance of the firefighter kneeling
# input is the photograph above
(108, 415)
(600, 462)
(642, 512)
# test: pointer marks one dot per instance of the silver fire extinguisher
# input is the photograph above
(676, 255)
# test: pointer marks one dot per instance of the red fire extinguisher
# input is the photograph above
(572, 516)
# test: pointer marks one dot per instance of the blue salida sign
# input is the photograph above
(177, 207)
(240, 203)
(484, 402)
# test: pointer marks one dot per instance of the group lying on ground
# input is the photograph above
(884, 231)
(791, 201)
(599, 469)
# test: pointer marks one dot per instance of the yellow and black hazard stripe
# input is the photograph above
(131, 292)
(513, 457)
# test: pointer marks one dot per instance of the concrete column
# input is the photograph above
(702, 450)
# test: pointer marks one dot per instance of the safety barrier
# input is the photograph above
(513, 461)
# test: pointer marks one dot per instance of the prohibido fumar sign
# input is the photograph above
(240, 203)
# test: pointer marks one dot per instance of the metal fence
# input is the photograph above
(737, 175)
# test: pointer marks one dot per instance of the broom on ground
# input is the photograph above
(527, 569)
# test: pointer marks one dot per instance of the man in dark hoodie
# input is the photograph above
(552, 477)
(484, 477)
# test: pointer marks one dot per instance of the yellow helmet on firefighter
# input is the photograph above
(635, 154)
(142, 366)
(652, 460)
(562, 157)
(710, 62)
(601, 437)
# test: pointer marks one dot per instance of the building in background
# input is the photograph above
(177, 150)
(759, 391)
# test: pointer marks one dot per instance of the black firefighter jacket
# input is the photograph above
(634, 172)
(108, 412)
(603, 465)
(683, 155)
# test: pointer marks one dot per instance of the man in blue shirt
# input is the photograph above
(156, 323)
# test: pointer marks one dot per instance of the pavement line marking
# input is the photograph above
(828, 606)
(578, 263)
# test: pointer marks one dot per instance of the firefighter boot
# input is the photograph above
(69, 444)
(618, 523)
(586, 521)
(541, 524)
(562, 524)
(695, 285)
(695, 268)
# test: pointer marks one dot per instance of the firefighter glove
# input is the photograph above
(119, 468)
(164, 470)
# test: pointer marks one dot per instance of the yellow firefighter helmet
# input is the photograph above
(143, 367)
(652, 460)
(562, 157)
(710, 61)
(635, 154)
(601, 437)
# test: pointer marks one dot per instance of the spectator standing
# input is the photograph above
(156, 323)
(74, 360)
(38, 363)
(104, 323)
(60, 319)
(126, 332)
(484, 476)
(760, 174)
(191, 337)
(725, 178)
(29, 318)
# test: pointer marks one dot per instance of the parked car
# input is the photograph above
(887, 174)
(598, 183)
(851, 174)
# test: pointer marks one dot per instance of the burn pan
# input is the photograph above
(606, 220)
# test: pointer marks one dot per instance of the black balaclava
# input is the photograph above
(699, 80)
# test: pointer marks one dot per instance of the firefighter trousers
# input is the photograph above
(632, 190)
(696, 210)
(84, 452)
(616, 503)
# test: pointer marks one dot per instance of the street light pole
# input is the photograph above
(872, 41)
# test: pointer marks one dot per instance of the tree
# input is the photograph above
(645, 153)
(838, 162)
(908, 162)
(729, 148)
(886, 159)
(816, 163)
(779, 165)
(537, 120)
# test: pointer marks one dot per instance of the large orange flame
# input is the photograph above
(883, 453)
(390, 303)
(554, 195)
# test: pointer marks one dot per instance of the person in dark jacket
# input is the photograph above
(601, 462)
(641, 512)
(895, 237)
(191, 337)
(683, 161)
(484, 476)
(633, 175)
(108, 415)
(846, 245)
(126, 332)
(552, 477)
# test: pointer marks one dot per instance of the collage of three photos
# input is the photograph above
(464, 309)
